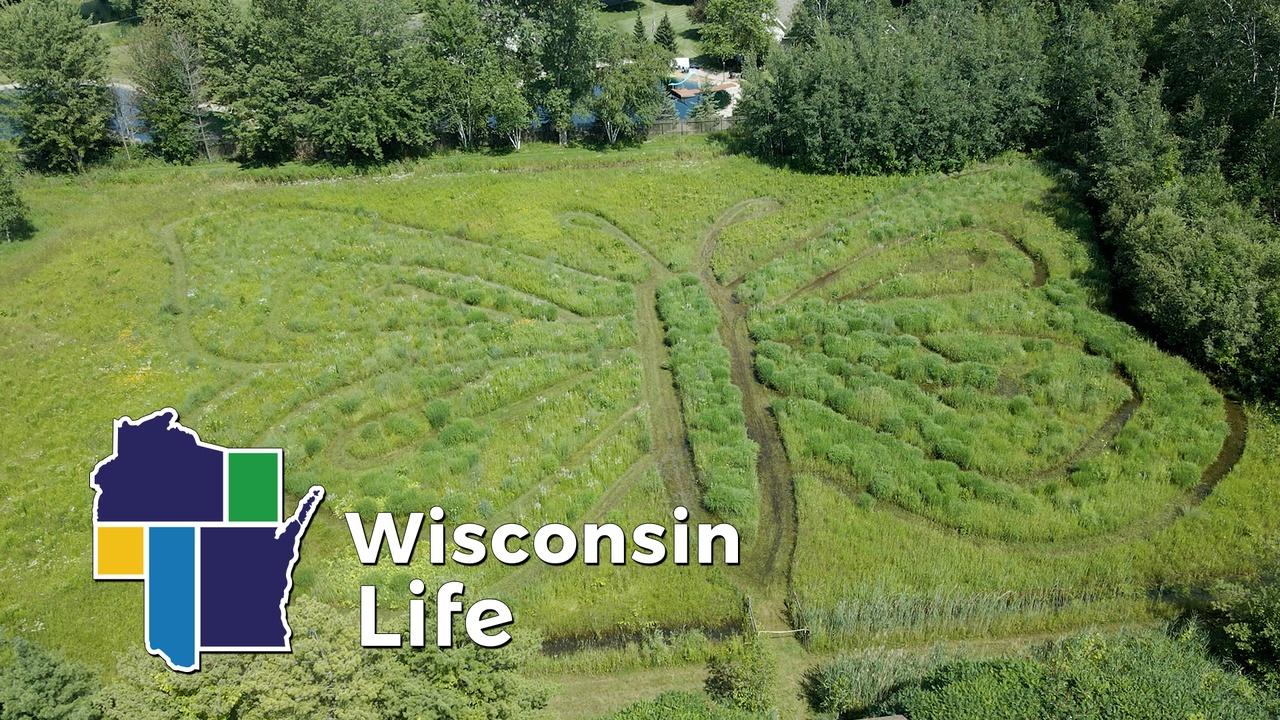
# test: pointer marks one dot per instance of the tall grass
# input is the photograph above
(725, 458)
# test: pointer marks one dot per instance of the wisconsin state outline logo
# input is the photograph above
(202, 526)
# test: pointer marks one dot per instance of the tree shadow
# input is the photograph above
(21, 230)
(693, 34)
(1065, 203)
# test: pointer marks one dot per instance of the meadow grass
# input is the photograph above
(989, 450)
(978, 449)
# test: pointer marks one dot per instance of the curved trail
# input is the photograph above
(1039, 270)
(1228, 455)
(454, 237)
(765, 572)
(872, 205)
(339, 450)
(1231, 452)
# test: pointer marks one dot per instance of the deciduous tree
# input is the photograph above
(14, 224)
(172, 93)
(737, 28)
(65, 103)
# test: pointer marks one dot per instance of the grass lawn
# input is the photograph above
(117, 35)
(621, 16)
(964, 444)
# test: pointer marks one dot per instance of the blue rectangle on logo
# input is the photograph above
(171, 594)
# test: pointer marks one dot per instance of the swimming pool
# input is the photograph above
(684, 106)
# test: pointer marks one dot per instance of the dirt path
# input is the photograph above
(767, 563)
(765, 571)
(666, 420)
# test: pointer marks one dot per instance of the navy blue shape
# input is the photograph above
(245, 579)
(160, 472)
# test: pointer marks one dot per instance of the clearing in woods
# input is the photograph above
(906, 385)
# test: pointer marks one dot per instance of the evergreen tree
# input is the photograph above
(13, 211)
(36, 685)
(638, 30)
(65, 103)
(665, 36)
(705, 110)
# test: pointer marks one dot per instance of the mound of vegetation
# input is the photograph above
(39, 685)
(724, 456)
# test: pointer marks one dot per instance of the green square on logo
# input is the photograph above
(253, 486)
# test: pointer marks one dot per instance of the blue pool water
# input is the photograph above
(685, 106)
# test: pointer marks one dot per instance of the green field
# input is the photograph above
(950, 438)
(621, 17)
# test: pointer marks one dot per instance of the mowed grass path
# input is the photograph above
(952, 438)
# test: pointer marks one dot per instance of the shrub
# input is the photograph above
(326, 673)
(14, 224)
(676, 705)
(1092, 675)
(438, 412)
(1245, 618)
(35, 685)
(742, 675)
(852, 683)
(1184, 474)
(461, 432)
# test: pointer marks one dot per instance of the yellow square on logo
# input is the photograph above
(119, 551)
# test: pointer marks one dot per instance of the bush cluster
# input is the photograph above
(1146, 674)
(1194, 264)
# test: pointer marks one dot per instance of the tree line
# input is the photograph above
(1166, 114)
(324, 79)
